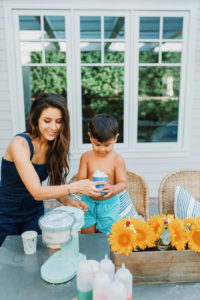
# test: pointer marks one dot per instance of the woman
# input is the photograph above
(41, 152)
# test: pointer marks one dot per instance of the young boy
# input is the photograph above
(103, 211)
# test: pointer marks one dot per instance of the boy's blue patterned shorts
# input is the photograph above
(103, 213)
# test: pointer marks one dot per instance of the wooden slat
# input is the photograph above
(152, 267)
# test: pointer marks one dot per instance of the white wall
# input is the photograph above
(5, 111)
(152, 169)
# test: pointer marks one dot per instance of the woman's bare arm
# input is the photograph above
(20, 154)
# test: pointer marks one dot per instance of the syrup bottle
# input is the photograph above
(107, 266)
(117, 291)
(101, 286)
(84, 280)
(124, 275)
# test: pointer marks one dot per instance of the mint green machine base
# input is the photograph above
(62, 265)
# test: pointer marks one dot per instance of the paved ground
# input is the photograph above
(153, 207)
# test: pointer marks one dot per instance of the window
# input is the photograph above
(160, 48)
(102, 55)
(43, 47)
(130, 64)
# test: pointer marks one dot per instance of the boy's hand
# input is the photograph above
(109, 190)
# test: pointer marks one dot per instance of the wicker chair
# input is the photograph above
(138, 191)
(188, 179)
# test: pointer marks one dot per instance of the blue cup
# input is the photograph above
(100, 185)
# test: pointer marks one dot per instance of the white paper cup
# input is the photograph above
(29, 239)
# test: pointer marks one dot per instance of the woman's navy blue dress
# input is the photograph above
(18, 209)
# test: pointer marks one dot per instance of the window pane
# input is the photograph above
(172, 28)
(102, 92)
(148, 52)
(55, 52)
(30, 27)
(158, 104)
(90, 52)
(90, 27)
(113, 27)
(149, 27)
(114, 52)
(171, 52)
(42, 79)
(31, 52)
(54, 27)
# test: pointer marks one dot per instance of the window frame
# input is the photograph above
(130, 148)
(78, 98)
(181, 143)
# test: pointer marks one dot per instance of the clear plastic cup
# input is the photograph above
(29, 239)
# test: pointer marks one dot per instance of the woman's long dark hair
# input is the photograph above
(57, 156)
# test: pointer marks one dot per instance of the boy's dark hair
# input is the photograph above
(103, 127)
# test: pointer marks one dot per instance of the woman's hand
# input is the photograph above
(68, 201)
(79, 204)
(86, 187)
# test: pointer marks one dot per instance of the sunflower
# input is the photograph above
(122, 239)
(194, 236)
(188, 222)
(157, 223)
(178, 234)
(145, 236)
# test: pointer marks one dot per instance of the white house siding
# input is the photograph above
(153, 169)
(5, 109)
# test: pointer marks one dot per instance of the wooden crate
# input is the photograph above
(152, 267)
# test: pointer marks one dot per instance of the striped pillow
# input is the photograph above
(126, 206)
(185, 205)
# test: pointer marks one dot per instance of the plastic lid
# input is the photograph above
(123, 273)
(117, 291)
(57, 220)
(107, 266)
(85, 266)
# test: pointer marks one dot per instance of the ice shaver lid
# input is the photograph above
(57, 220)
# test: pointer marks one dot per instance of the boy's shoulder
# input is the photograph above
(87, 154)
(117, 156)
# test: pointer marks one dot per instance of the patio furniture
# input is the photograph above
(189, 179)
(138, 191)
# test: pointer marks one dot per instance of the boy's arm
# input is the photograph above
(120, 175)
(82, 172)
(120, 179)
